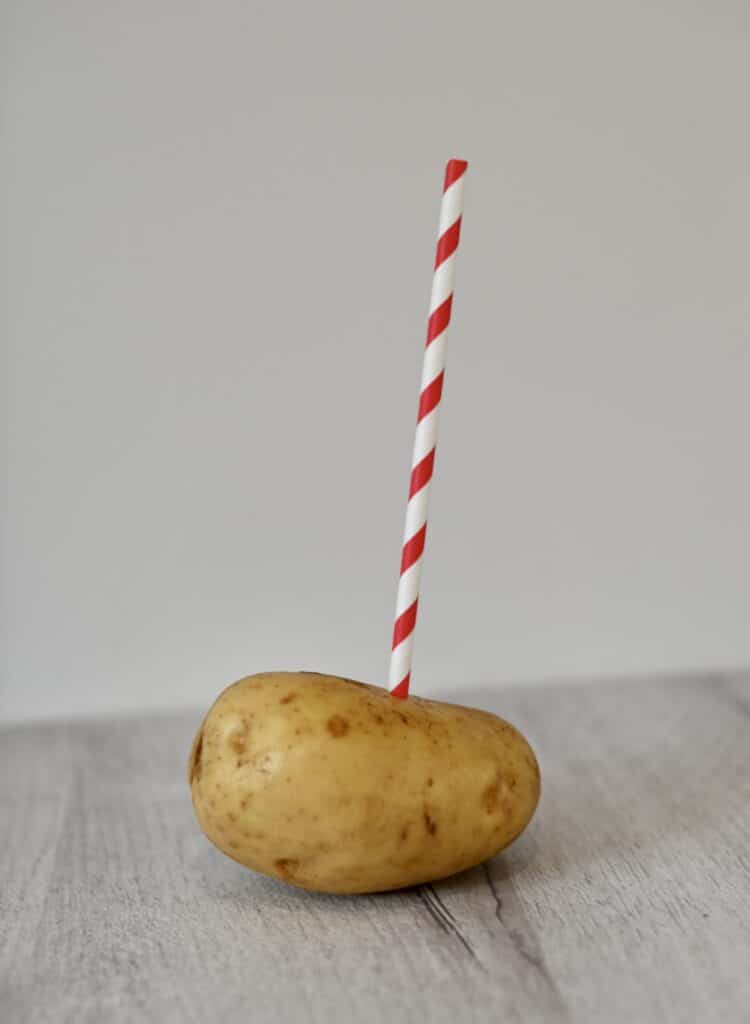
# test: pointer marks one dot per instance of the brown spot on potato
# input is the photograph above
(238, 739)
(244, 802)
(491, 798)
(286, 866)
(232, 817)
(232, 845)
(429, 822)
(405, 831)
(430, 782)
(289, 698)
(338, 726)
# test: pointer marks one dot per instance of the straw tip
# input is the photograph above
(453, 171)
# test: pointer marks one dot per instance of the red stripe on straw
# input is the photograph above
(439, 319)
(448, 243)
(421, 473)
(404, 624)
(402, 690)
(430, 396)
(413, 549)
(453, 171)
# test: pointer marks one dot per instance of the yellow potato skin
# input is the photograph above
(337, 786)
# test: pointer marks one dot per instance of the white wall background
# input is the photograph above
(220, 222)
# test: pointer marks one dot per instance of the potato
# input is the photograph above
(337, 786)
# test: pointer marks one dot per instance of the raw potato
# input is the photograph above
(336, 786)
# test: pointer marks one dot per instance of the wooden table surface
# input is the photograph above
(628, 899)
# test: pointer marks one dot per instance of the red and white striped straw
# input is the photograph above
(423, 458)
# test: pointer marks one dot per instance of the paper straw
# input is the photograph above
(423, 458)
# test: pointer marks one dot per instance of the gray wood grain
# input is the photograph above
(628, 900)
